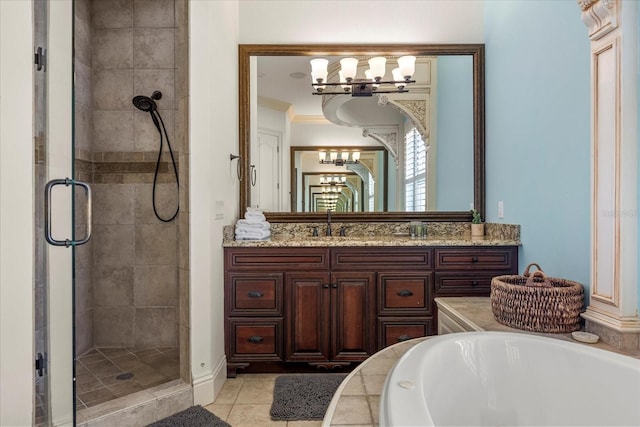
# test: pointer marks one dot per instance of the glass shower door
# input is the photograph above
(54, 195)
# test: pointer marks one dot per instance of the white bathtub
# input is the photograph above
(510, 379)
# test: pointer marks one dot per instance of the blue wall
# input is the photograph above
(454, 133)
(538, 130)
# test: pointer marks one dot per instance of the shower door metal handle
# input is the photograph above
(47, 212)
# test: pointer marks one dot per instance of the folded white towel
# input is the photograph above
(243, 223)
(254, 215)
(252, 234)
(253, 238)
(256, 220)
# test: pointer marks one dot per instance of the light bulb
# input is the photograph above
(319, 70)
(355, 156)
(398, 78)
(378, 67)
(322, 156)
(345, 155)
(369, 76)
(349, 68)
(346, 88)
(333, 155)
(407, 66)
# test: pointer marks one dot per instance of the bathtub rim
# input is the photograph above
(331, 409)
(559, 341)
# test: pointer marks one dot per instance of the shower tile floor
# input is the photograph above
(98, 372)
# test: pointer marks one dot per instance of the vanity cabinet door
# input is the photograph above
(255, 339)
(353, 313)
(478, 283)
(308, 316)
(405, 306)
(254, 294)
(501, 258)
(330, 316)
(468, 271)
(395, 330)
(405, 293)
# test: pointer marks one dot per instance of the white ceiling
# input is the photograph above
(274, 82)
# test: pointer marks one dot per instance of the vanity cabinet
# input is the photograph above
(333, 306)
(403, 291)
(468, 271)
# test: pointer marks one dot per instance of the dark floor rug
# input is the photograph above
(196, 416)
(303, 397)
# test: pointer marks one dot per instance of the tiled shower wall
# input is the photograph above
(128, 278)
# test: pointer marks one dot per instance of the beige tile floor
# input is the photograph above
(245, 401)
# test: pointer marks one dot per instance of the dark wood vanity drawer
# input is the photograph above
(392, 331)
(255, 294)
(404, 293)
(278, 259)
(476, 258)
(375, 259)
(464, 284)
(255, 339)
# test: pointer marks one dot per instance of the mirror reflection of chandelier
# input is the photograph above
(373, 81)
(335, 181)
(328, 201)
(331, 191)
(338, 159)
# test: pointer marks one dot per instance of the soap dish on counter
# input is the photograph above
(585, 337)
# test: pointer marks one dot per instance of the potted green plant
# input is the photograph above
(477, 226)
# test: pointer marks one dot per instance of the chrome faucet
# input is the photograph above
(328, 222)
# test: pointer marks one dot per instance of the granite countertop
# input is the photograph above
(337, 241)
(378, 234)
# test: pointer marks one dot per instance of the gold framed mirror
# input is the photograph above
(248, 81)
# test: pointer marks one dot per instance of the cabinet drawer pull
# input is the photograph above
(404, 337)
(255, 294)
(474, 283)
(325, 286)
(405, 293)
(334, 285)
(474, 259)
(256, 339)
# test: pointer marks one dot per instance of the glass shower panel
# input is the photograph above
(53, 146)
(42, 410)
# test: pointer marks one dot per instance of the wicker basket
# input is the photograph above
(536, 302)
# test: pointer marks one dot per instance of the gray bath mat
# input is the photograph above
(303, 397)
(196, 416)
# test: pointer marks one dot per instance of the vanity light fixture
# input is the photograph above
(334, 181)
(373, 82)
(339, 159)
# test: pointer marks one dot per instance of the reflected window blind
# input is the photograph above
(415, 177)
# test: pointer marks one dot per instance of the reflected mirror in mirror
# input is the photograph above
(340, 179)
(432, 133)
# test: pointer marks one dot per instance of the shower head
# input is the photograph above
(146, 104)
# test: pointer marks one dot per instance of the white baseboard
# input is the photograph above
(207, 387)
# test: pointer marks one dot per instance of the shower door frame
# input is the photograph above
(59, 143)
